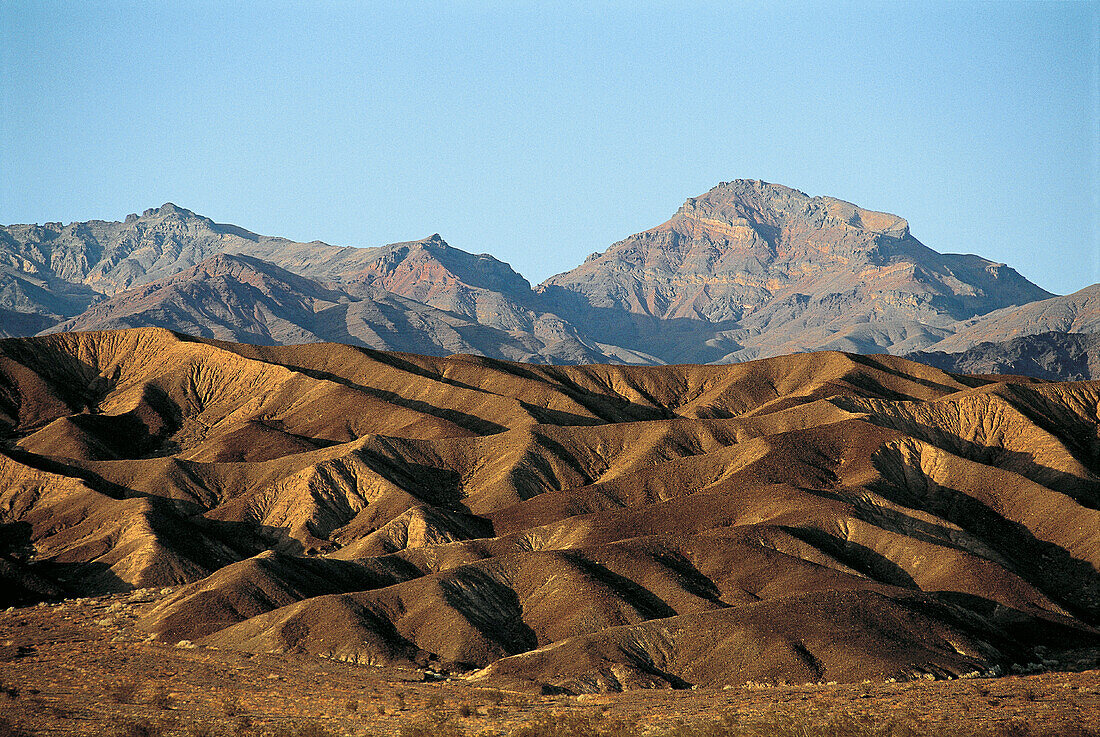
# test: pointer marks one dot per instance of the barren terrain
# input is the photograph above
(81, 668)
(570, 532)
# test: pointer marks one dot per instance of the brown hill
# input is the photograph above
(771, 270)
(809, 517)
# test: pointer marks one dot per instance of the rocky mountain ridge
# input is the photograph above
(245, 299)
(746, 270)
(776, 271)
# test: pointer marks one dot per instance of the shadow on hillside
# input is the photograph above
(859, 558)
(675, 340)
(1072, 583)
(1084, 491)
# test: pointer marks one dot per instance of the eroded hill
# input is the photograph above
(811, 517)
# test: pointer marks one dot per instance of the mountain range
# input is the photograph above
(744, 271)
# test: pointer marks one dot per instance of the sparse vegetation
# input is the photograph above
(124, 691)
(160, 698)
(313, 730)
(594, 725)
(493, 696)
(140, 729)
(7, 729)
(432, 728)
(231, 705)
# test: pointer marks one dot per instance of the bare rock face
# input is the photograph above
(1073, 313)
(1053, 356)
(814, 517)
(479, 288)
(747, 270)
(774, 271)
(154, 270)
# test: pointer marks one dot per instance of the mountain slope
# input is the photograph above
(747, 270)
(1073, 313)
(1052, 356)
(246, 299)
(816, 516)
(773, 271)
(237, 298)
(51, 272)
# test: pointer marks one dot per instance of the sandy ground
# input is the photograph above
(81, 668)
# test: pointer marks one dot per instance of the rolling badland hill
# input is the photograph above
(812, 517)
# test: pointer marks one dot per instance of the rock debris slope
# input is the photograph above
(812, 517)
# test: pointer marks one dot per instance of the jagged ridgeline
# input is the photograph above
(810, 517)
(747, 270)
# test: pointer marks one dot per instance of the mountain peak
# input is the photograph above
(749, 202)
(166, 210)
(763, 255)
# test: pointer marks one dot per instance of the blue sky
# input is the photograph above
(541, 132)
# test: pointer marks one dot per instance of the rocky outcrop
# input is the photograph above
(1053, 356)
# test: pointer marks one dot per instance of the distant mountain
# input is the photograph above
(774, 271)
(1074, 313)
(58, 270)
(478, 287)
(51, 274)
(17, 324)
(749, 269)
(1054, 356)
(237, 298)
(245, 299)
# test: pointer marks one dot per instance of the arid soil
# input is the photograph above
(80, 667)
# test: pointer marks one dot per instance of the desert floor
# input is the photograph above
(81, 668)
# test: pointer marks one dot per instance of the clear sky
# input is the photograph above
(541, 132)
